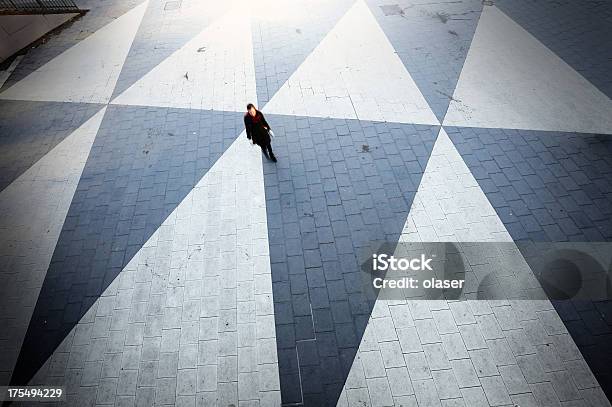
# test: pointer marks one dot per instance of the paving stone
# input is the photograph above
(545, 394)
(427, 331)
(465, 373)
(548, 358)
(111, 365)
(489, 327)
(127, 382)
(436, 356)
(206, 378)
(444, 321)
(518, 343)
(268, 378)
(564, 386)
(391, 353)
(502, 355)
(384, 328)
(409, 340)
(399, 382)
(425, 392)
(513, 379)
(507, 318)
(462, 313)
(532, 369)
(495, 390)
(483, 362)
(474, 396)
(247, 386)
(417, 366)
(454, 346)
(107, 391)
(379, 389)
(472, 337)
(446, 384)
(91, 373)
(147, 373)
(358, 396)
(168, 364)
(373, 364)
(227, 369)
(402, 318)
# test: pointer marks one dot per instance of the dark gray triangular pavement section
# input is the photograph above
(579, 32)
(552, 187)
(280, 47)
(99, 15)
(29, 130)
(340, 188)
(143, 163)
(544, 185)
(152, 44)
(432, 39)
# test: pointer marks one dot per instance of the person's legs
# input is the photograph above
(272, 157)
(264, 150)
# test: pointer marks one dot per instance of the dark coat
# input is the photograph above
(257, 128)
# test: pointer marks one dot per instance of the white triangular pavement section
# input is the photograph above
(86, 72)
(415, 337)
(33, 209)
(449, 204)
(204, 278)
(215, 70)
(511, 80)
(353, 73)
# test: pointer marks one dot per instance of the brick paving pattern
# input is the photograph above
(338, 189)
(142, 165)
(24, 142)
(151, 256)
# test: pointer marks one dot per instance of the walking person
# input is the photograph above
(258, 130)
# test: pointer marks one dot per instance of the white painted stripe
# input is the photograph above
(33, 209)
(86, 72)
(353, 73)
(511, 80)
(214, 70)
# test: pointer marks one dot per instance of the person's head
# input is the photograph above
(251, 109)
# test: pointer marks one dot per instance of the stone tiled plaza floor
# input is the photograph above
(150, 255)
